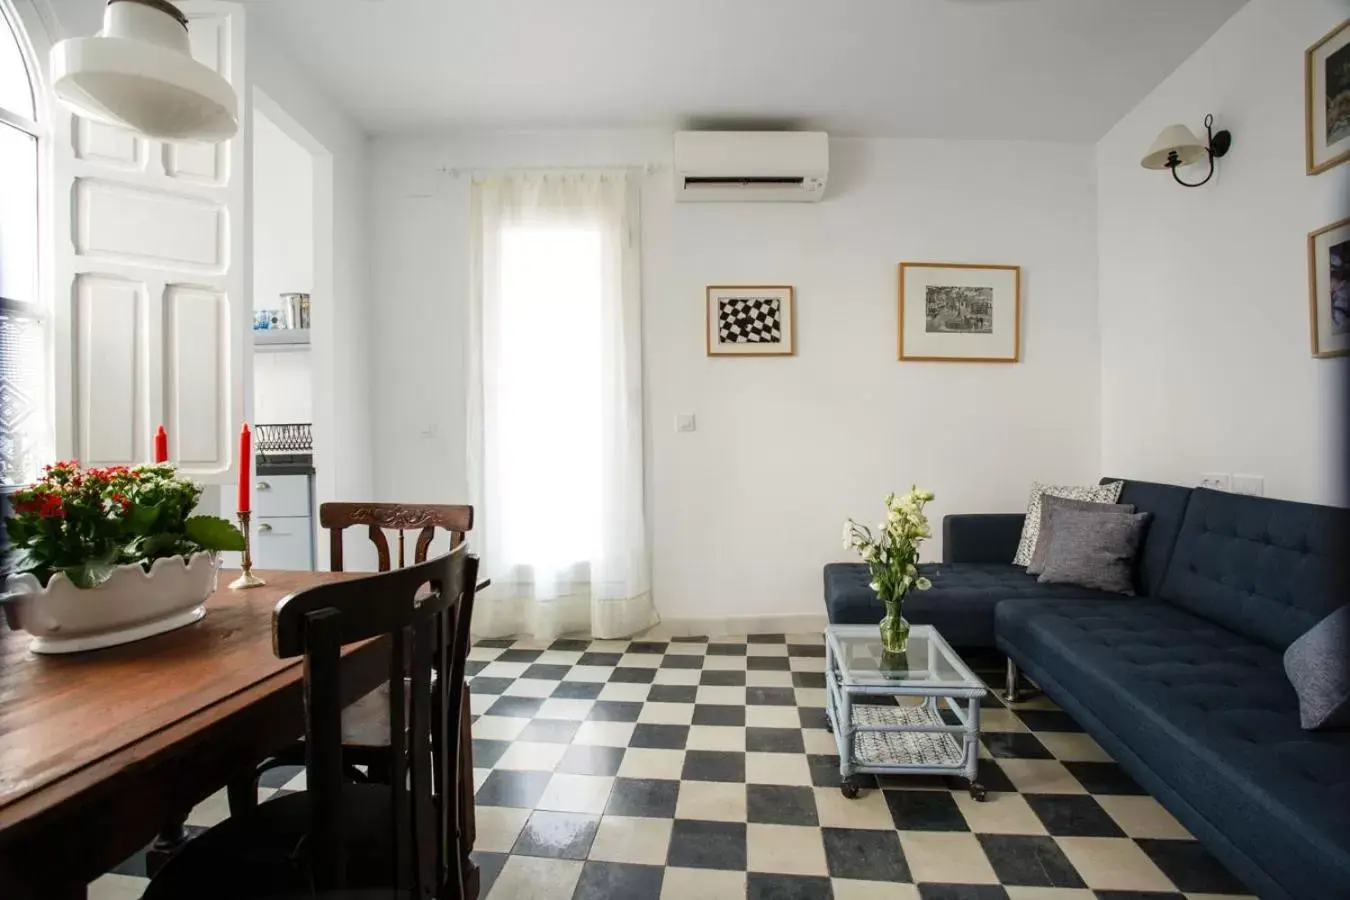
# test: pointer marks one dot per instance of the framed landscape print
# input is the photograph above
(1328, 99)
(1329, 283)
(750, 321)
(958, 312)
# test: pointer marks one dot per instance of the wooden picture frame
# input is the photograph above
(750, 320)
(1328, 274)
(981, 306)
(1328, 143)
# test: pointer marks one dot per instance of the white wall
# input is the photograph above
(1204, 293)
(283, 262)
(746, 510)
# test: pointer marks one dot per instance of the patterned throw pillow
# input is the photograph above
(1031, 530)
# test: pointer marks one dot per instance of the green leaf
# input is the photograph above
(212, 533)
(90, 574)
(143, 518)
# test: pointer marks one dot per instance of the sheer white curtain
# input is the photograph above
(555, 405)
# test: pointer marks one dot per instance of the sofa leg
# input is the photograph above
(1012, 686)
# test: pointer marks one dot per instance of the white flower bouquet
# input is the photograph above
(892, 557)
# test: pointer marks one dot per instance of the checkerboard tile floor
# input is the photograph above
(702, 769)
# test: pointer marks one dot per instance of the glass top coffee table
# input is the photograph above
(886, 710)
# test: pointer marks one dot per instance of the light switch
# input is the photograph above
(684, 422)
(1252, 485)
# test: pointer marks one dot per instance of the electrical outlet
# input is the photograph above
(1216, 481)
(1252, 485)
(684, 422)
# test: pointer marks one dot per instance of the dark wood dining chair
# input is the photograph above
(338, 835)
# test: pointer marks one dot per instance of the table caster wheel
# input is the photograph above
(849, 790)
(829, 725)
(977, 792)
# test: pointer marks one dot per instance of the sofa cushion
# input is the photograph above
(960, 604)
(1318, 666)
(1266, 569)
(1168, 504)
(1212, 715)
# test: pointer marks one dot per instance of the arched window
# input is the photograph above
(24, 411)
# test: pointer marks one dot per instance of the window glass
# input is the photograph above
(18, 215)
(16, 89)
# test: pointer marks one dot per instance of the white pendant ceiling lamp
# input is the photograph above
(139, 72)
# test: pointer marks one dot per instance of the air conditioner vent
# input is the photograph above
(751, 166)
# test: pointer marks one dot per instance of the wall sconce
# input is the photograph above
(1178, 146)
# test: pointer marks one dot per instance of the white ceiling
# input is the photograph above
(1015, 69)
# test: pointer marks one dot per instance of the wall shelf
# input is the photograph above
(271, 340)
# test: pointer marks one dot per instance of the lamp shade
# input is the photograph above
(139, 72)
(1176, 139)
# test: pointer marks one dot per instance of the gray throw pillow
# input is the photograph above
(1318, 666)
(1094, 551)
(1049, 504)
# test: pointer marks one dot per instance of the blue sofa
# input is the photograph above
(1183, 684)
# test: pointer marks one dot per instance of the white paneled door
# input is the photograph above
(155, 319)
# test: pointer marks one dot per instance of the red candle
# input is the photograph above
(161, 445)
(245, 467)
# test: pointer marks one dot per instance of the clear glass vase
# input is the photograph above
(894, 628)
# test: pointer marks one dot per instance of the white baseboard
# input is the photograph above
(726, 626)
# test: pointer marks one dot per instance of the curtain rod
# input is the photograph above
(455, 172)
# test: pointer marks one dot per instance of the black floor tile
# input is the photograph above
(507, 788)
(486, 753)
(1104, 778)
(660, 737)
(774, 740)
(770, 696)
(1190, 867)
(647, 647)
(569, 645)
(494, 686)
(759, 886)
(825, 773)
(1014, 745)
(1048, 720)
(474, 666)
(1073, 815)
(808, 679)
(519, 656)
(767, 639)
(600, 659)
(557, 835)
(925, 811)
(614, 711)
(990, 777)
(726, 649)
(549, 731)
(646, 797)
(716, 714)
(133, 865)
(990, 701)
(577, 690)
(1033, 861)
(815, 651)
(714, 765)
(581, 759)
(276, 776)
(933, 891)
(672, 693)
(693, 639)
(630, 675)
(767, 664)
(495, 642)
(771, 804)
(518, 707)
(722, 678)
(682, 661)
(631, 882)
(489, 867)
(813, 716)
(865, 855)
(707, 845)
(546, 672)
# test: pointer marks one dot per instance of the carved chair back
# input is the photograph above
(424, 518)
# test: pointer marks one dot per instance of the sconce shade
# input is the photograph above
(138, 72)
(1176, 139)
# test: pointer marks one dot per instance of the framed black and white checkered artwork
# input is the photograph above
(745, 320)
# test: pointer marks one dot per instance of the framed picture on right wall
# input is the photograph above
(1328, 100)
(1329, 284)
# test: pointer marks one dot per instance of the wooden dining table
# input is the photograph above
(99, 750)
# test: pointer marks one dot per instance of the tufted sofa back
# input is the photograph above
(1266, 569)
(1167, 504)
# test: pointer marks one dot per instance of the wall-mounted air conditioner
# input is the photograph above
(751, 166)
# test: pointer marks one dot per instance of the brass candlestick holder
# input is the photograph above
(248, 579)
